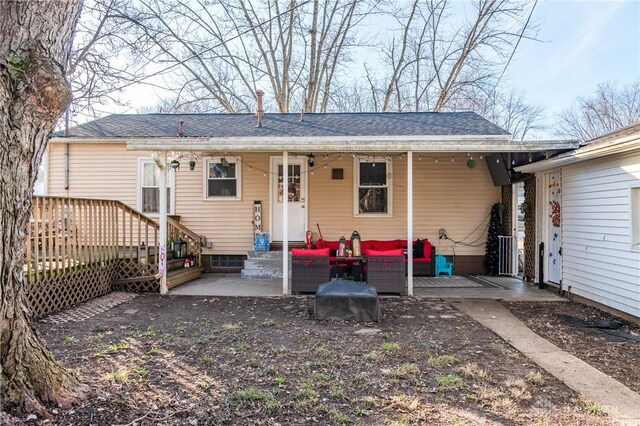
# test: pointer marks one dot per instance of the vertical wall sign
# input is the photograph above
(257, 217)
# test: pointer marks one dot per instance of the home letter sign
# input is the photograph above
(257, 217)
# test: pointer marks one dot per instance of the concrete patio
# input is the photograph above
(456, 287)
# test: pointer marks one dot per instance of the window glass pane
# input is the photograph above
(373, 174)
(372, 200)
(217, 170)
(294, 183)
(150, 200)
(222, 188)
(150, 175)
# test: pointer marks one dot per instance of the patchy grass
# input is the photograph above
(391, 347)
(265, 361)
(442, 360)
(449, 381)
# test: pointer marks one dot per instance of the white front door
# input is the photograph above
(297, 190)
(554, 250)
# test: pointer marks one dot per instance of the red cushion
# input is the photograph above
(386, 245)
(320, 243)
(396, 252)
(366, 245)
(305, 252)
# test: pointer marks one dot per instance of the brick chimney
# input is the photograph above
(260, 112)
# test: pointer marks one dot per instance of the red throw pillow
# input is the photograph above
(320, 243)
(426, 247)
(305, 252)
(396, 252)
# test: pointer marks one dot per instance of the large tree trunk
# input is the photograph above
(35, 41)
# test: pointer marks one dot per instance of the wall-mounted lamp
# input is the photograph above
(311, 160)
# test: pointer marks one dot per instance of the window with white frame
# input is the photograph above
(634, 199)
(222, 178)
(149, 176)
(373, 186)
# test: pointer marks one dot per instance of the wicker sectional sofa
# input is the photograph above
(423, 257)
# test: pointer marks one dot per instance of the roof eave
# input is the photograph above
(585, 153)
(484, 143)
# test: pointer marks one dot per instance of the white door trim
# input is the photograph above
(273, 175)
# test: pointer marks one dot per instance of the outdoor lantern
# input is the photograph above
(355, 244)
(342, 247)
(179, 248)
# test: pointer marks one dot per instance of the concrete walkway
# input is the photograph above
(620, 402)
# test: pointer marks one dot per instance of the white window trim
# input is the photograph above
(634, 225)
(237, 160)
(356, 185)
(172, 187)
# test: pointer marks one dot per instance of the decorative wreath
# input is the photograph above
(555, 214)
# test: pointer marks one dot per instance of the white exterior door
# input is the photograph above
(297, 189)
(554, 225)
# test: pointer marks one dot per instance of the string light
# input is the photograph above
(452, 159)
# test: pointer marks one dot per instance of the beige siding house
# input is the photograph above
(346, 172)
(594, 253)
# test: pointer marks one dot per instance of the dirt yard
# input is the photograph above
(563, 325)
(195, 361)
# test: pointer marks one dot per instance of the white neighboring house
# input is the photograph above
(588, 217)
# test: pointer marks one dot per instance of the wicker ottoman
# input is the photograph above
(345, 300)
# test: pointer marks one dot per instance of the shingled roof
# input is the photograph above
(137, 126)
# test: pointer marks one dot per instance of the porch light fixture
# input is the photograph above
(311, 160)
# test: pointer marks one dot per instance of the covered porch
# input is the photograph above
(455, 287)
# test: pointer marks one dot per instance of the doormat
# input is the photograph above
(444, 281)
(91, 308)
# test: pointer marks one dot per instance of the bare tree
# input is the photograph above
(104, 59)
(35, 44)
(440, 58)
(510, 110)
(609, 108)
(224, 50)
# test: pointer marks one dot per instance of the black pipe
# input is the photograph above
(541, 283)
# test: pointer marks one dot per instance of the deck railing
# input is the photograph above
(67, 234)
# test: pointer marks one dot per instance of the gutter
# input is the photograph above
(587, 152)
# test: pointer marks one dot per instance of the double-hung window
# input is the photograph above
(149, 176)
(373, 186)
(222, 178)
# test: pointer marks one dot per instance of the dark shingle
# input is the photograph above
(287, 125)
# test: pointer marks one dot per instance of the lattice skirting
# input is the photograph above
(65, 290)
(136, 276)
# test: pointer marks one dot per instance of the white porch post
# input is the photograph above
(410, 223)
(285, 222)
(162, 243)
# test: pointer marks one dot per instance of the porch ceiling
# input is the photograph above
(466, 143)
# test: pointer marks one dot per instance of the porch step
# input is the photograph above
(181, 276)
(263, 264)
